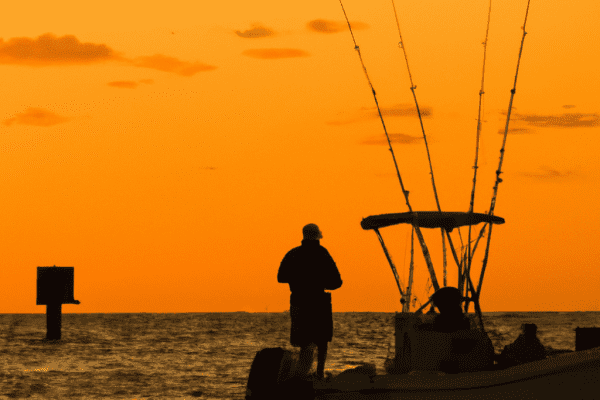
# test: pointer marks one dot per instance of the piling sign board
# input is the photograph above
(55, 285)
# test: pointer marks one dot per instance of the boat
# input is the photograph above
(415, 371)
(429, 362)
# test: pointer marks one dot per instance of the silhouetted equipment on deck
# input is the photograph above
(586, 338)
(55, 288)
(272, 377)
(429, 219)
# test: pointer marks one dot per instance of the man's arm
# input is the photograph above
(333, 280)
(283, 276)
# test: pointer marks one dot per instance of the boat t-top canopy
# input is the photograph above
(429, 219)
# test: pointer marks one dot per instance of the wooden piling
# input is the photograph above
(53, 321)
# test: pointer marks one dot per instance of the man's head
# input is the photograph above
(311, 232)
(447, 300)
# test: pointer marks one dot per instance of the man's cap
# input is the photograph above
(311, 231)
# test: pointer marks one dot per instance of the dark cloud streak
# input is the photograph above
(36, 117)
(397, 138)
(48, 49)
(566, 120)
(326, 26)
(548, 173)
(171, 64)
(256, 32)
(272, 54)
(515, 131)
(123, 84)
(400, 110)
(129, 84)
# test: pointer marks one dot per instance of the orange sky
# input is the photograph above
(172, 153)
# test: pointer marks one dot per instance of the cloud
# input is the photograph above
(257, 31)
(400, 110)
(129, 84)
(123, 84)
(516, 131)
(549, 173)
(36, 117)
(325, 26)
(566, 120)
(270, 54)
(171, 64)
(48, 49)
(398, 138)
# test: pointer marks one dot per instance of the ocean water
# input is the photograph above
(202, 355)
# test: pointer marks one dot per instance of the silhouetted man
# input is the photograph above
(526, 348)
(451, 318)
(310, 270)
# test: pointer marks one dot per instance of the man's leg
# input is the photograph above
(305, 360)
(322, 356)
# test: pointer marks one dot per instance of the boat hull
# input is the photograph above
(573, 376)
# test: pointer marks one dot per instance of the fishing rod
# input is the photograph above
(413, 87)
(404, 191)
(477, 138)
(466, 273)
(458, 262)
(502, 150)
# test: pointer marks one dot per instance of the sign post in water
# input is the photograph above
(55, 288)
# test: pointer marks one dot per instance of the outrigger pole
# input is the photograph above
(424, 248)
